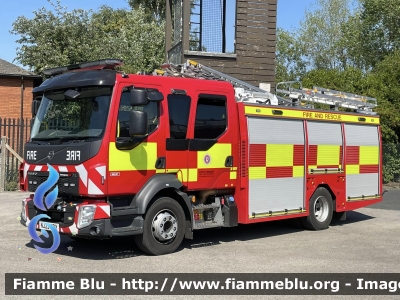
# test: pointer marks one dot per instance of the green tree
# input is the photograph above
(56, 37)
(290, 64)
(155, 8)
(351, 41)
(380, 28)
(383, 83)
(321, 32)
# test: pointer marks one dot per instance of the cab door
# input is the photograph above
(211, 156)
(133, 161)
(177, 142)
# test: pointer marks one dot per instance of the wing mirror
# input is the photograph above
(35, 106)
(138, 123)
(141, 97)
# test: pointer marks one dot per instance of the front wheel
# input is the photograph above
(320, 210)
(163, 228)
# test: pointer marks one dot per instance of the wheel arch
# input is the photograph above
(176, 195)
(163, 185)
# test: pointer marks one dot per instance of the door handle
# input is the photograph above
(229, 161)
(160, 163)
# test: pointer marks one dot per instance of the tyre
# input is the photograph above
(321, 210)
(163, 227)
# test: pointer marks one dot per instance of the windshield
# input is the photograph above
(85, 116)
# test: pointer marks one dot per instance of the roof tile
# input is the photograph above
(7, 68)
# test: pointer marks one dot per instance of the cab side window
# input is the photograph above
(211, 117)
(152, 110)
(179, 108)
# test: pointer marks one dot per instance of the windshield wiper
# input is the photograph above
(75, 138)
(46, 139)
(61, 139)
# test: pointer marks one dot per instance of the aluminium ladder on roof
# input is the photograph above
(361, 104)
(245, 92)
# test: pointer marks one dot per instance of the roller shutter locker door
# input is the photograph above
(325, 145)
(362, 160)
(276, 165)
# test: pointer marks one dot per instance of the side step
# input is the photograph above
(208, 215)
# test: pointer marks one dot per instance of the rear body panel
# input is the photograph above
(289, 153)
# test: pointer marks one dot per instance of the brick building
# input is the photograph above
(16, 86)
(236, 37)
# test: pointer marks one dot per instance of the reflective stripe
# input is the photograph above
(362, 159)
(257, 172)
(276, 161)
(369, 155)
(142, 157)
(83, 174)
(352, 169)
(310, 115)
(279, 155)
(214, 158)
(298, 171)
(182, 174)
(192, 174)
(93, 189)
(328, 155)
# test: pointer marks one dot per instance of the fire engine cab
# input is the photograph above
(186, 148)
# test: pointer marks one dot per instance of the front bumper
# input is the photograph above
(102, 227)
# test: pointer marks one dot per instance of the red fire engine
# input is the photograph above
(157, 157)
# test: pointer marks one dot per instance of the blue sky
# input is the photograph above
(290, 12)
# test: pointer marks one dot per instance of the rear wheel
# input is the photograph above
(163, 228)
(320, 210)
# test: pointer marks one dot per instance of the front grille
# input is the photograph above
(64, 218)
(68, 183)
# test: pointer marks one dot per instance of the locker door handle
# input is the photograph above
(160, 163)
(229, 161)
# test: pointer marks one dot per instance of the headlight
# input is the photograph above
(23, 211)
(86, 215)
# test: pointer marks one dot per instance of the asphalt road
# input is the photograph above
(368, 241)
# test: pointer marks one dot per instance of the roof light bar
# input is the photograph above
(109, 63)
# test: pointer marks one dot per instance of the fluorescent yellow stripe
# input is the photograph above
(192, 175)
(311, 115)
(181, 175)
(279, 155)
(184, 175)
(352, 169)
(369, 155)
(217, 156)
(257, 172)
(298, 171)
(233, 175)
(142, 157)
(328, 155)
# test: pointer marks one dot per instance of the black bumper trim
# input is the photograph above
(106, 229)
